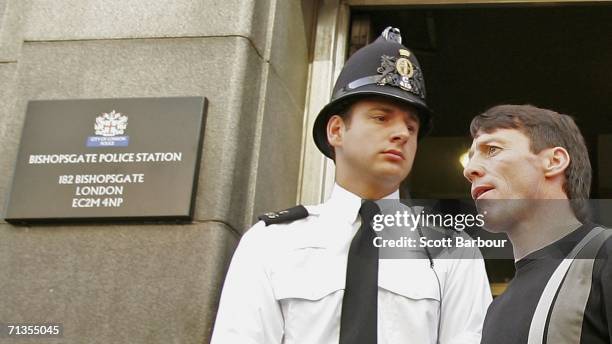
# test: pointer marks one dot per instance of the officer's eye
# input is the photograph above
(380, 118)
(492, 150)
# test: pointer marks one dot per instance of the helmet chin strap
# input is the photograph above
(367, 80)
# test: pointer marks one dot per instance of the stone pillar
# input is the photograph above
(152, 283)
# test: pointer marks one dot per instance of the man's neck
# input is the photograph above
(544, 226)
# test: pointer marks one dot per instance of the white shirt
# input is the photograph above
(286, 282)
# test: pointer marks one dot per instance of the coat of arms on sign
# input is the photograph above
(110, 124)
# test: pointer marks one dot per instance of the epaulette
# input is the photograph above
(283, 216)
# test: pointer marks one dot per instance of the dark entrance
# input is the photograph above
(473, 57)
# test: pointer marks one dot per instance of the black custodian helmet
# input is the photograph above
(384, 68)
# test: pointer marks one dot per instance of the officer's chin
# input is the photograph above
(395, 172)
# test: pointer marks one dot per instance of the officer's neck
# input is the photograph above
(366, 190)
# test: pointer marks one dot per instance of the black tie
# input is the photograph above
(358, 321)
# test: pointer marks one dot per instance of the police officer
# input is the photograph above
(311, 274)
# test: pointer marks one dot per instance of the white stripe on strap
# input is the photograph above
(565, 325)
(538, 322)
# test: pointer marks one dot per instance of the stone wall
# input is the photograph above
(152, 283)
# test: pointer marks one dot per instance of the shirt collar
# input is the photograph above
(345, 205)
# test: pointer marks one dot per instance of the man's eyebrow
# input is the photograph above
(484, 143)
(492, 140)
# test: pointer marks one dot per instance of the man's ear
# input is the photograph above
(556, 160)
(335, 131)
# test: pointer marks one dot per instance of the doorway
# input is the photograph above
(556, 56)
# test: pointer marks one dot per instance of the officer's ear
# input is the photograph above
(335, 130)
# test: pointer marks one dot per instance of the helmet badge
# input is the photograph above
(403, 65)
(400, 72)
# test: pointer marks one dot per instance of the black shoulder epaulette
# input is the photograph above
(283, 216)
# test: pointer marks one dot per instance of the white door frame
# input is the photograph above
(316, 171)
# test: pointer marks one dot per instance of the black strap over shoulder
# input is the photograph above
(284, 216)
(566, 293)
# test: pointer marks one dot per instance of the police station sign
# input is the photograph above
(108, 160)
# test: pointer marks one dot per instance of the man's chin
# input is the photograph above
(500, 214)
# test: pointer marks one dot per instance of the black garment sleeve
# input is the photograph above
(597, 324)
(606, 286)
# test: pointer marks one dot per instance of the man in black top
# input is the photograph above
(530, 176)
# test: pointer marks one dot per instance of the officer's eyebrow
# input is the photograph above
(381, 108)
(388, 109)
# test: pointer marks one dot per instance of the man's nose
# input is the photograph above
(473, 170)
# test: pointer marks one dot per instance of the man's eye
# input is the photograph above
(492, 150)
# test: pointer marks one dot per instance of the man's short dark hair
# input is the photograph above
(546, 129)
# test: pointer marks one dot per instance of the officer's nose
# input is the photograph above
(401, 133)
(473, 170)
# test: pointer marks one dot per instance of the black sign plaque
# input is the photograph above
(108, 160)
